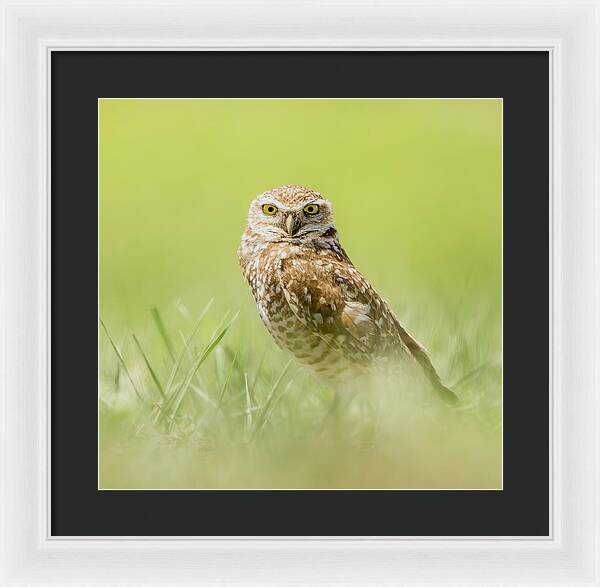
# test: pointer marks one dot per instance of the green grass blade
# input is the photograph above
(180, 394)
(262, 418)
(203, 395)
(149, 366)
(224, 388)
(182, 352)
(122, 362)
(258, 368)
(162, 330)
(117, 377)
(248, 405)
(226, 384)
(192, 352)
(470, 375)
(220, 374)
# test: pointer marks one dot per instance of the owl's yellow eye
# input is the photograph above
(311, 209)
(269, 209)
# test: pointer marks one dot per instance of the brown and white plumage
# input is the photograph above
(312, 299)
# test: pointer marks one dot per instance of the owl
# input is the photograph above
(312, 299)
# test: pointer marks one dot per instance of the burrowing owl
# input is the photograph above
(312, 299)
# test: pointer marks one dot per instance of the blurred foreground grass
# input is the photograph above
(200, 407)
(416, 188)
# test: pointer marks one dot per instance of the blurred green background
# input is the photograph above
(416, 187)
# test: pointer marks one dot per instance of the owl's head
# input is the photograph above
(290, 212)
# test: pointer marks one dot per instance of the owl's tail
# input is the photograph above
(446, 394)
(420, 355)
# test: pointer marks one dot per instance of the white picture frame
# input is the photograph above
(569, 31)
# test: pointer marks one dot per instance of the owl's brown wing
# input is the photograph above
(336, 302)
(332, 298)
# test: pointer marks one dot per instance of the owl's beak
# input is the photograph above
(290, 224)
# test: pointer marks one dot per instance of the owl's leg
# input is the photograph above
(342, 399)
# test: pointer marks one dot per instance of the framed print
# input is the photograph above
(298, 304)
(194, 395)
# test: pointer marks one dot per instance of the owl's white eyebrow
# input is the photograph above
(273, 202)
(283, 208)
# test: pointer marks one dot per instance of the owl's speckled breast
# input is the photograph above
(262, 266)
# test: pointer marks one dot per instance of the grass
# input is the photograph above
(209, 412)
